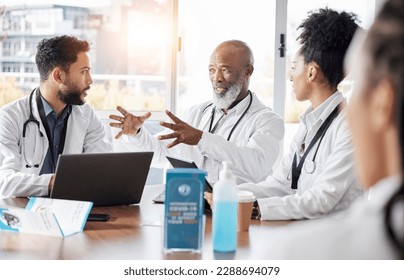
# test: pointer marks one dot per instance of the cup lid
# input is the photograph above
(245, 196)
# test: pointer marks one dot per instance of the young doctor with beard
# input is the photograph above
(235, 127)
(52, 120)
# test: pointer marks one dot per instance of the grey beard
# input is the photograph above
(223, 101)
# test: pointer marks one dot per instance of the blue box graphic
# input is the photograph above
(184, 206)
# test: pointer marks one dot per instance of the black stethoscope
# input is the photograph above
(212, 117)
(310, 166)
(32, 119)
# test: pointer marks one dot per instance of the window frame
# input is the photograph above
(174, 46)
(172, 66)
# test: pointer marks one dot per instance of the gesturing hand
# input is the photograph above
(130, 124)
(182, 132)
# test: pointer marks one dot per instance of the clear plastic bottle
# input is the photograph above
(224, 225)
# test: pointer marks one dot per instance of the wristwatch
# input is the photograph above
(256, 213)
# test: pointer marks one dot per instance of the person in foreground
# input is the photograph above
(235, 127)
(373, 227)
(50, 121)
(316, 177)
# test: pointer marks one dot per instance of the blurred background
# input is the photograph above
(149, 55)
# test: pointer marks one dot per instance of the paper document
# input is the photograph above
(54, 217)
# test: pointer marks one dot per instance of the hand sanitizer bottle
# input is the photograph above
(225, 212)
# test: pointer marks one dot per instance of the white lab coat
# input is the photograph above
(359, 234)
(85, 134)
(253, 147)
(333, 184)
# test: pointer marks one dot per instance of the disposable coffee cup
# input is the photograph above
(245, 205)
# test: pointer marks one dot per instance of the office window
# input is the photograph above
(133, 40)
(29, 67)
(11, 47)
(13, 23)
(6, 49)
(205, 24)
(130, 56)
(128, 46)
(30, 47)
(11, 67)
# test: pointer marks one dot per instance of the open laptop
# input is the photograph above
(180, 163)
(106, 179)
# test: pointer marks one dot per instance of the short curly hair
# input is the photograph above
(59, 51)
(325, 39)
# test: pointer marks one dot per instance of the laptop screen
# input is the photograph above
(106, 179)
(182, 163)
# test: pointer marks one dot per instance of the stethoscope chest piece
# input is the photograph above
(309, 166)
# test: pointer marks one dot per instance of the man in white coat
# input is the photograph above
(52, 120)
(236, 127)
(317, 176)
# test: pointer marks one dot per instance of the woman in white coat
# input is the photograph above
(54, 114)
(316, 177)
(373, 227)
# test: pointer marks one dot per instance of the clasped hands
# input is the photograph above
(181, 131)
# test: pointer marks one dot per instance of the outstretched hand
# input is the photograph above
(182, 132)
(130, 124)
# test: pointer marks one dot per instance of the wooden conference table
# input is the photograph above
(133, 232)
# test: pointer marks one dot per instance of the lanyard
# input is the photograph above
(213, 129)
(297, 169)
(46, 126)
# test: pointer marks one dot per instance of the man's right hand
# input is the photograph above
(130, 124)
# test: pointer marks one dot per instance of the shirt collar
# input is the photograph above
(241, 106)
(47, 108)
(310, 117)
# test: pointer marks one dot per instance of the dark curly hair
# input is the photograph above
(60, 51)
(325, 39)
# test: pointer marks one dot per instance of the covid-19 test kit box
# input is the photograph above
(184, 205)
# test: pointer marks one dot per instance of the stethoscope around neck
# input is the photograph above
(310, 165)
(31, 119)
(212, 128)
